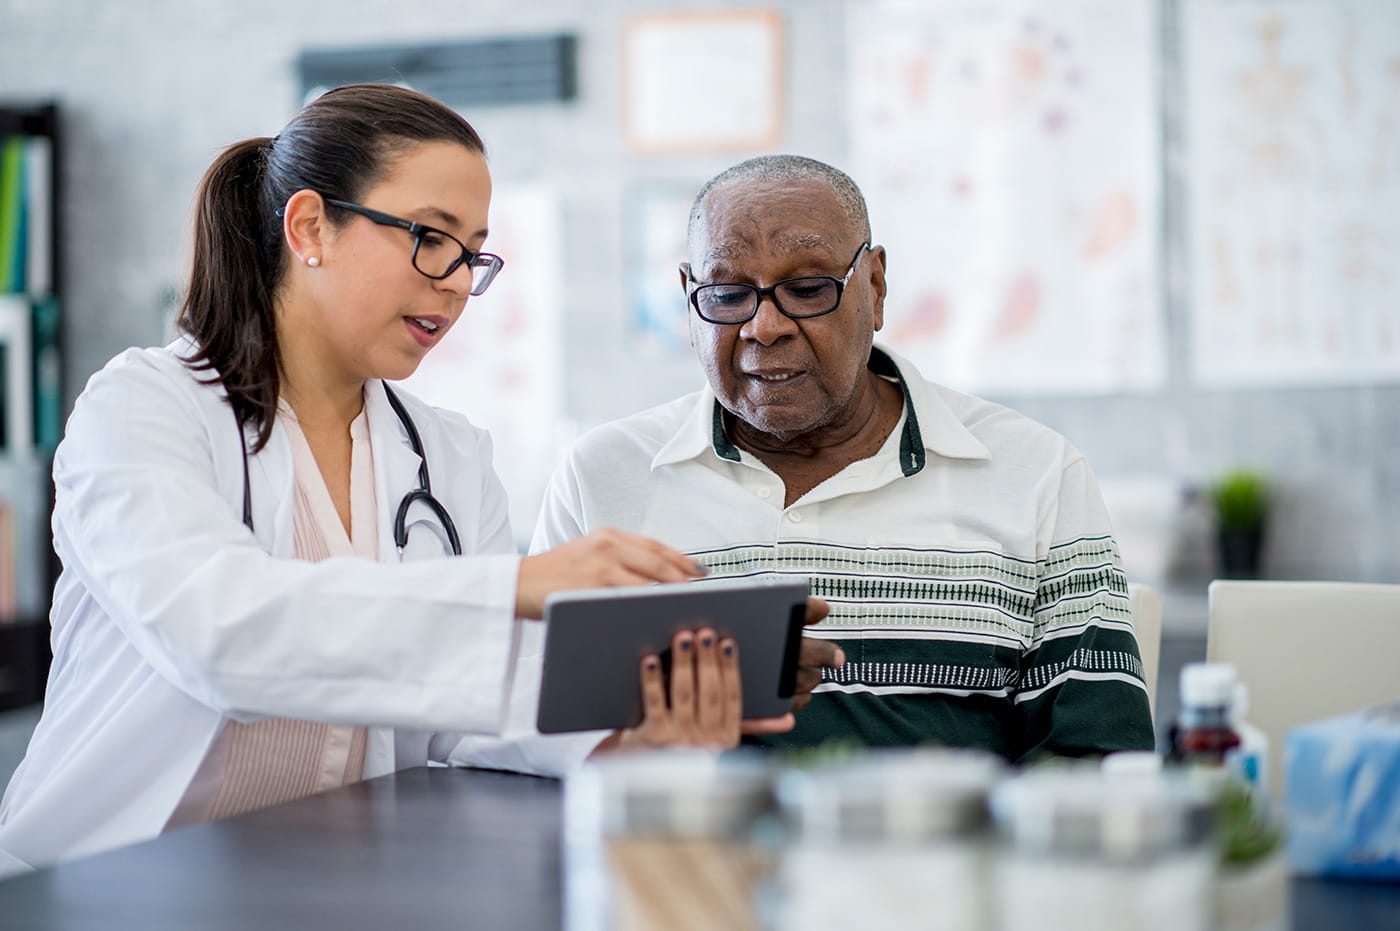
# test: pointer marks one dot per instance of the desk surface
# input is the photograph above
(423, 848)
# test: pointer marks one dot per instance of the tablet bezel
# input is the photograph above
(595, 639)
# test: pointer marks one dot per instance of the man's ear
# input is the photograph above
(877, 284)
(305, 226)
(684, 269)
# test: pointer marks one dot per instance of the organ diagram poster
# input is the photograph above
(1009, 154)
(502, 362)
(1293, 181)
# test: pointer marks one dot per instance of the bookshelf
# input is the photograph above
(31, 392)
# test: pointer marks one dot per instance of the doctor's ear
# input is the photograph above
(305, 226)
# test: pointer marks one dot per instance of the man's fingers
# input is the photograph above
(817, 610)
(817, 654)
(779, 725)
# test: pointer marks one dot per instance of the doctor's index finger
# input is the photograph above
(652, 558)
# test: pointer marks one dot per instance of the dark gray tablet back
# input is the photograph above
(595, 641)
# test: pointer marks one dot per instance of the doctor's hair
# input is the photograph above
(787, 169)
(339, 145)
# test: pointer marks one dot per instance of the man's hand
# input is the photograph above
(705, 703)
(814, 656)
(601, 559)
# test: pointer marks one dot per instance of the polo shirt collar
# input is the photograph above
(930, 425)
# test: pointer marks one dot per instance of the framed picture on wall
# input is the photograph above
(657, 216)
(702, 81)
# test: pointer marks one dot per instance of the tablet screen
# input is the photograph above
(595, 641)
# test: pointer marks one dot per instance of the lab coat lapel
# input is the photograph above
(271, 482)
(395, 464)
(395, 475)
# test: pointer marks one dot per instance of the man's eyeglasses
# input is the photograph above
(435, 254)
(808, 296)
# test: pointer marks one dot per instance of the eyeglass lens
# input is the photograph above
(437, 256)
(796, 297)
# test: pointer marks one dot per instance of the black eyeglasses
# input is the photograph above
(435, 254)
(808, 296)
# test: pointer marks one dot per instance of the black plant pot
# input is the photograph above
(1239, 553)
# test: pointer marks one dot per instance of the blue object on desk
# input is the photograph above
(1343, 795)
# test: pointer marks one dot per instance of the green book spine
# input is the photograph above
(11, 205)
(48, 376)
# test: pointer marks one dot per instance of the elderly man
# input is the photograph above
(964, 549)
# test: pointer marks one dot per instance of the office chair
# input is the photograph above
(1305, 650)
(1146, 607)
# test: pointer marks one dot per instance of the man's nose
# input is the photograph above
(768, 324)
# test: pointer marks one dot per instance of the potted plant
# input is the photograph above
(1241, 499)
(1251, 883)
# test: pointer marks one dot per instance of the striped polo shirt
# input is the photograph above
(973, 579)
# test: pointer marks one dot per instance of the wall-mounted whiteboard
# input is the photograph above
(1010, 156)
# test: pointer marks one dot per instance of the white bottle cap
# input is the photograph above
(1131, 763)
(1208, 684)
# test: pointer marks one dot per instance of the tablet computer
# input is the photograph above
(595, 640)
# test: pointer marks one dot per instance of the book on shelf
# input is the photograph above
(47, 373)
(26, 214)
(17, 381)
(38, 215)
(8, 602)
(12, 197)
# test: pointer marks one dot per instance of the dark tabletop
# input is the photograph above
(424, 848)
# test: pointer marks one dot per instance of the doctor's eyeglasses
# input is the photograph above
(436, 254)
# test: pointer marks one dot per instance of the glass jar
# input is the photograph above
(661, 840)
(893, 839)
(1082, 850)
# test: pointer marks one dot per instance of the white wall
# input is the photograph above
(152, 89)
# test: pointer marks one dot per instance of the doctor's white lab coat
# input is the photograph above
(171, 618)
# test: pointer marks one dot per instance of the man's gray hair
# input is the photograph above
(789, 168)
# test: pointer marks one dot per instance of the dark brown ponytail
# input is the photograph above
(338, 145)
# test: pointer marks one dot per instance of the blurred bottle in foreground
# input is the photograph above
(1089, 850)
(892, 839)
(661, 840)
(1202, 735)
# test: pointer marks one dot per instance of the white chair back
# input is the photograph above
(1306, 650)
(1146, 606)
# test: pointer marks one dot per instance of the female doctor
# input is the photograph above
(261, 596)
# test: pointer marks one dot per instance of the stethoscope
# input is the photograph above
(423, 493)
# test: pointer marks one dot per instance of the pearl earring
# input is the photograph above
(313, 261)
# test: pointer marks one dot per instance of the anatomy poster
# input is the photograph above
(501, 363)
(1293, 179)
(1009, 153)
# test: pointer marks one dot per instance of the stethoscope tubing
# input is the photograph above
(423, 493)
